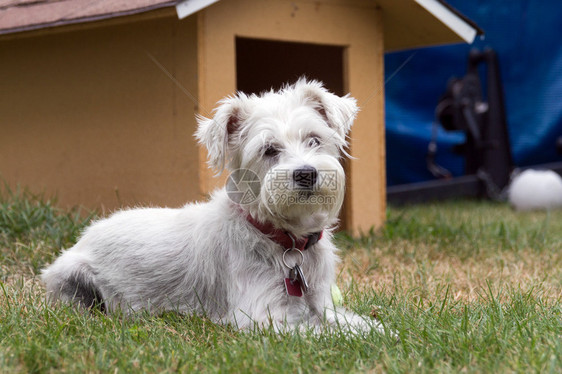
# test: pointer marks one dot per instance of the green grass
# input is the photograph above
(33, 229)
(468, 286)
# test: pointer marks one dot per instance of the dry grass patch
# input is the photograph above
(426, 272)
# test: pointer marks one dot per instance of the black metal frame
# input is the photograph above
(487, 150)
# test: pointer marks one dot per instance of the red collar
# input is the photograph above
(284, 238)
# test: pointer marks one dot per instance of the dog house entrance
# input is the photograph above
(263, 64)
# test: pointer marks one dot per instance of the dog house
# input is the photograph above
(98, 98)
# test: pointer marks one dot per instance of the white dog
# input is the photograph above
(259, 253)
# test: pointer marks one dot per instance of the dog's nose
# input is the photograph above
(305, 177)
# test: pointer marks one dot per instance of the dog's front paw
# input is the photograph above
(345, 320)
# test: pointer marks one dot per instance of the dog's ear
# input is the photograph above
(339, 112)
(214, 133)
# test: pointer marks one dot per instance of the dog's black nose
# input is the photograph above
(305, 177)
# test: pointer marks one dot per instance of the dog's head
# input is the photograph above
(283, 149)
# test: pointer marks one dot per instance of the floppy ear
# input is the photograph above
(339, 112)
(214, 133)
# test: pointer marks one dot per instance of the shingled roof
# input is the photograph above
(26, 15)
(407, 23)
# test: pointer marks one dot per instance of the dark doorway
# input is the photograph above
(263, 64)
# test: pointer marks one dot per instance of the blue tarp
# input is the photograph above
(527, 35)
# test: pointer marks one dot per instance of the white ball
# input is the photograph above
(536, 189)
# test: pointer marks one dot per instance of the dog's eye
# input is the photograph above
(313, 142)
(271, 151)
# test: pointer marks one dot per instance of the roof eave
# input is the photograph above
(423, 23)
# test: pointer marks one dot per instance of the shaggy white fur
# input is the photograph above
(207, 257)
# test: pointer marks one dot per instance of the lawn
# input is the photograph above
(469, 287)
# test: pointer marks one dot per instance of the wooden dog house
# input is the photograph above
(98, 98)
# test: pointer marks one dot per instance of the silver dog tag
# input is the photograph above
(293, 274)
(301, 278)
